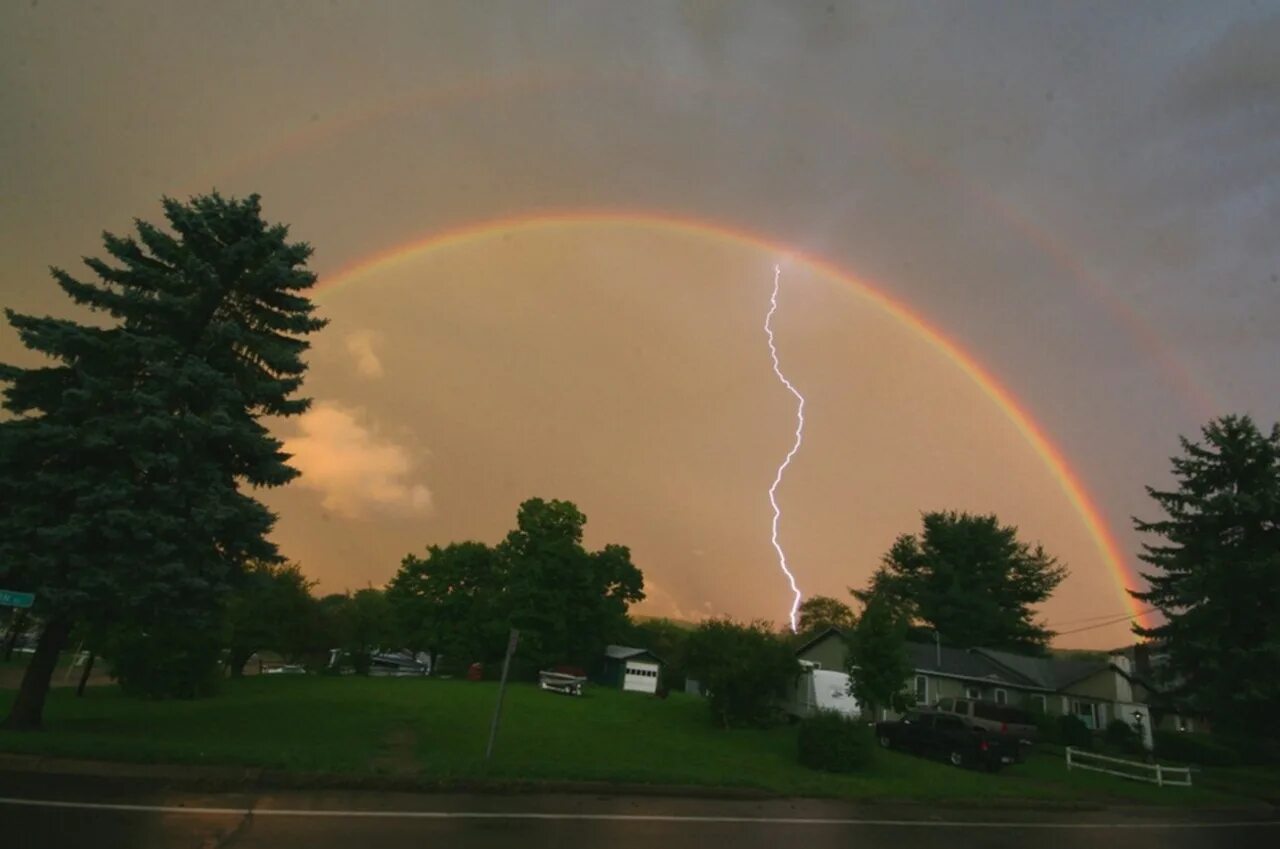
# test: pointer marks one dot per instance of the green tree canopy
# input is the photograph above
(271, 608)
(1216, 575)
(567, 602)
(819, 612)
(123, 471)
(451, 603)
(878, 662)
(972, 580)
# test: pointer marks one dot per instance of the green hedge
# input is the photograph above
(831, 742)
(1194, 748)
(1073, 732)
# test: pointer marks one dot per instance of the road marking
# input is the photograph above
(670, 818)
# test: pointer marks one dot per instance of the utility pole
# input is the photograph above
(502, 689)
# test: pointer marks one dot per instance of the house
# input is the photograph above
(633, 669)
(1097, 691)
(1152, 684)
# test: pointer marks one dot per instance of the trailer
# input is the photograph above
(822, 689)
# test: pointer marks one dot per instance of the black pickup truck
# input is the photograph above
(946, 736)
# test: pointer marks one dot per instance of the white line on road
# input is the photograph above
(672, 818)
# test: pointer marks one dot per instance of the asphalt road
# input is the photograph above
(47, 812)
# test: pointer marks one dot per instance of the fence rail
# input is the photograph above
(1161, 775)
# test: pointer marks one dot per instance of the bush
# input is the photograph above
(1123, 737)
(1252, 751)
(832, 742)
(747, 670)
(1047, 727)
(1194, 748)
(1073, 732)
(166, 663)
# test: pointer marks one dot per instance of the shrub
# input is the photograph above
(746, 669)
(166, 663)
(1194, 748)
(1252, 751)
(1047, 727)
(832, 742)
(1073, 732)
(1124, 737)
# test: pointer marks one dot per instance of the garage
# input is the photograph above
(635, 669)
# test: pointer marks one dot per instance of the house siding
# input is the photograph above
(829, 653)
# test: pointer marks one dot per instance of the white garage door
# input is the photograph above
(641, 677)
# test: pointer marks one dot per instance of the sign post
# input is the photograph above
(502, 689)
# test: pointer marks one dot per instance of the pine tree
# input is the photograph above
(1217, 574)
(123, 471)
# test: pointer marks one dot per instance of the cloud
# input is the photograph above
(358, 472)
(360, 347)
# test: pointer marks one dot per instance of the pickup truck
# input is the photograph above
(948, 737)
(1014, 724)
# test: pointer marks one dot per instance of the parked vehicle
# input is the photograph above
(946, 736)
(995, 718)
(822, 689)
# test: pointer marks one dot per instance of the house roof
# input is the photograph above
(1045, 672)
(830, 631)
(628, 653)
(961, 663)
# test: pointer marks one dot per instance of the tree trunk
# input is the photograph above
(84, 676)
(17, 625)
(238, 658)
(28, 707)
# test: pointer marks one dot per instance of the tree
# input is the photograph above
(567, 602)
(360, 623)
(123, 469)
(450, 603)
(747, 670)
(271, 607)
(819, 612)
(1216, 575)
(972, 580)
(878, 662)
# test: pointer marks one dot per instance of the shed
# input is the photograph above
(632, 669)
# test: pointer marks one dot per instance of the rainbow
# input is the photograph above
(1032, 432)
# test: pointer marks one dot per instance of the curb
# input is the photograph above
(200, 777)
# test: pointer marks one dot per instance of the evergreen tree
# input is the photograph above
(1217, 574)
(972, 580)
(122, 471)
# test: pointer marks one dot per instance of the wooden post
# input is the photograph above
(1068, 759)
(1159, 776)
(502, 689)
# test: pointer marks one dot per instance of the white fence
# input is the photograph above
(1176, 776)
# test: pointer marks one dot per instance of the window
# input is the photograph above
(973, 692)
(922, 690)
(1002, 698)
(1038, 703)
(1087, 711)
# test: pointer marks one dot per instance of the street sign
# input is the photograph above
(9, 598)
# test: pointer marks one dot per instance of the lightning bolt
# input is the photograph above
(777, 511)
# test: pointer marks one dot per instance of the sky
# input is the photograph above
(1023, 248)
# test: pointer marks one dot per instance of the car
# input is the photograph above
(1013, 723)
(946, 736)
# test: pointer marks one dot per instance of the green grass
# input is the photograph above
(436, 729)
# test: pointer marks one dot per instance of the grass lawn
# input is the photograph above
(436, 729)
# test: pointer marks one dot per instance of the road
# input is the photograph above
(46, 812)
